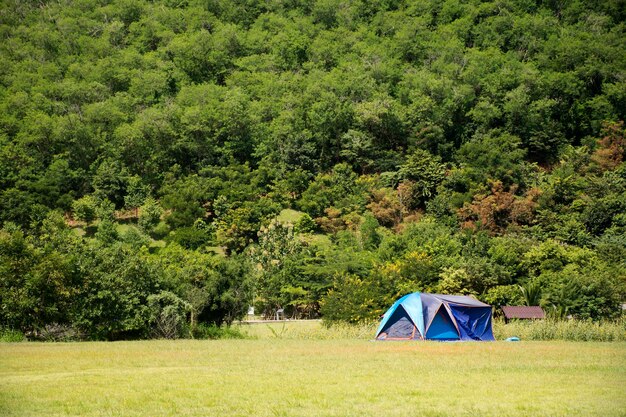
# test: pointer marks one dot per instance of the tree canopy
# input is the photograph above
(149, 149)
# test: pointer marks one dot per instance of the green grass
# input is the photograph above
(317, 239)
(538, 330)
(573, 330)
(157, 243)
(289, 216)
(307, 330)
(292, 216)
(217, 250)
(277, 372)
(123, 228)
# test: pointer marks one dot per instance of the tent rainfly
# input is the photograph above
(421, 316)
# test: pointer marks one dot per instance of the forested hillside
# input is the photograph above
(167, 163)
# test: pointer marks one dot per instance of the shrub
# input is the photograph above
(115, 284)
(531, 293)
(370, 238)
(593, 292)
(135, 238)
(85, 208)
(471, 275)
(150, 214)
(160, 231)
(503, 295)
(55, 332)
(107, 232)
(189, 237)
(305, 224)
(167, 315)
(386, 207)
(211, 331)
(354, 299)
(11, 336)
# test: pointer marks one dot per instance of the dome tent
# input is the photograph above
(421, 316)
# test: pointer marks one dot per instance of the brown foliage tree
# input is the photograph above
(332, 222)
(499, 209)
(611, 147)
(385, 205)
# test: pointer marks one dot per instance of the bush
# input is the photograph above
(591, 292)
(422, 173)
(189, 237)
(55, 332)
(305, 224)
(11, 336)
(211, 331)
(111, 302)
(135, 238)
(503, 295)
(168, 315)
(357, 300)
(160, 231)
(150, 214)
(85, 208)
(107, 232)
(369, 235)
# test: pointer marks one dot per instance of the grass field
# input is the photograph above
(279, 373)
(289, 216)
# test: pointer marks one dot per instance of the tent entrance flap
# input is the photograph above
(441, 327)
(399, 327)
(474, 323)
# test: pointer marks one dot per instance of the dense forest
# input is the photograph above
(165, 164)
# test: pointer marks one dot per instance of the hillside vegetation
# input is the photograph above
(167, 163)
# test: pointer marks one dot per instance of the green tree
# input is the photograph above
(113, 300)
(184, 199)
(167, 315)
(85, 208)
(149, 214)
(277, 245)
(422, 173)
(369, 234)
(110, 182)
(305, 224)
(136, 194)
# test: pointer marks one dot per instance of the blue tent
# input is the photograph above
(421, 316)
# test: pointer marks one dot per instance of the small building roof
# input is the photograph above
(523, 312)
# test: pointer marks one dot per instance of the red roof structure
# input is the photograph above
(523, 312)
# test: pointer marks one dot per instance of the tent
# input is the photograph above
(421, 316)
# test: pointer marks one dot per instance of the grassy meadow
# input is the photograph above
(300, 369)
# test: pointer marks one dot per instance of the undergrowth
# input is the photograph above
(11, 336)
(574, 330)
(312, 330)
(571, 330)
(206, 331)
